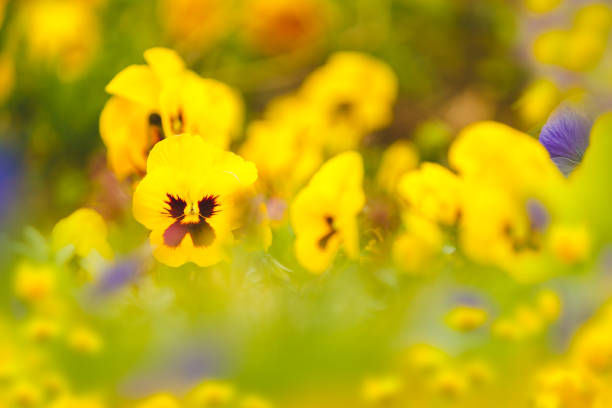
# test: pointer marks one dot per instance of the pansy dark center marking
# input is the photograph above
(343, 109)
(202, 234)
(323, 241)
(177, 123)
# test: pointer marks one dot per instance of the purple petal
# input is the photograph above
(566, 137)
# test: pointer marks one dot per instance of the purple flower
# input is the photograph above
(566, 137)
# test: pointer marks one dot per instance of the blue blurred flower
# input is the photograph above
(566, 137)
(10, 174)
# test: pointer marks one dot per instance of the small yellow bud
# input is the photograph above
(466, 318)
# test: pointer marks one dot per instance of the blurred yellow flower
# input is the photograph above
(466, 318)
(582, 46)
(285, 146)
(42, 329)
(277, 26)
(570, 244)
(85, 340)
(478, 372)
(7, 76)
(85, 230)
(188, 199)
(564, 387)
(323, 214)
(63, 33)
(414, 249)
(25, 395)
(425, 358)
(34, 282)
(381, 391)
(195, 25)
(252, 401)
(160, 401)
(433, 192)
(350, 110)
(450, 384)
(210, 394)
(549, 305)
(397, 159)
(538, 101)
(71, 401)
(161, 99)
(542, 6)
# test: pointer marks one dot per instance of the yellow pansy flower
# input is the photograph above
(161, 99)
(187, 199)
(433, 192)
(414, 249)
(285, 145)
(349, 109)
(323, 214)
(398, 159)
(85, 230)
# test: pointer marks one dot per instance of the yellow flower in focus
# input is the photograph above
(64, 33)
(188, 199)
(381, 391)
(195, 25)
(414, 249)
(160, 401)
(85, 230)
(398, 159)
(34, 283)
(253, 401)
(85, 340)
(542, 6)
(570, 244)
(549, 305)
(433, 192)
(26, 395)
(210, 394)
(154, 101)
(323, 214)
(538, 101)
(277, 26)
(41, 329)
(466, 318)
(349, 109)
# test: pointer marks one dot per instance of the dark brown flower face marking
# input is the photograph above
(323, 241)
(177, 123)
(202, 234)
(155, 129)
